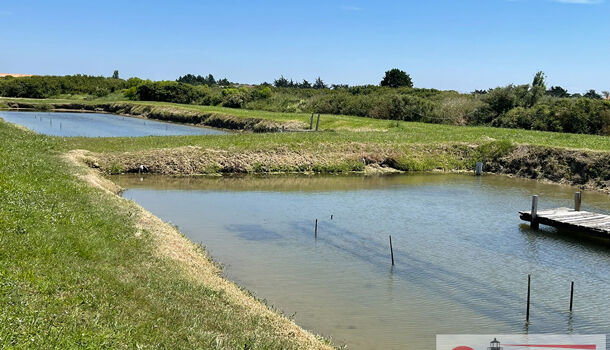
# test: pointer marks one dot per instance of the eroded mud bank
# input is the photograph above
(587, 169)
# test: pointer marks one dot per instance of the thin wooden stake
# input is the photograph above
(331, 216)
(577, 200)
(391, 250)
(311, 122)
(534, 223)
(316, 229)
(527, 313)
(571, 296)
(479, 169)
(318, 122)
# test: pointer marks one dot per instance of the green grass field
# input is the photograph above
(76, 271)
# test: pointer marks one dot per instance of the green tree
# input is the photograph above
(319, 84)
(538, 88)
(305, 84)
(281, 82)
(593, 95)
(222, 82)
(115, 74)
(396, 78)
(557, 91)
(606, 94)
(210, 81)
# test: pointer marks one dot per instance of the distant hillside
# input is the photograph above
(14, 75)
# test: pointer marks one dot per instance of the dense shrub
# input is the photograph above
(168, 91)
(235, 97)
(49, 86)
(582, 115)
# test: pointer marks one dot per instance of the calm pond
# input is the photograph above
(99, 125)
(462, 254)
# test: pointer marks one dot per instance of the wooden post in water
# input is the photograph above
(331, 216)
(527, 313)
(479, 169)
(391, 250)
(534, 222)
(311, 122)
(571, 296)
(318, 122)
(316, 229)
(577, 200)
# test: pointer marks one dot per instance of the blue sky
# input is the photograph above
(458, 44)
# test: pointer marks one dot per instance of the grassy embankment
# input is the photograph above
(350, 144)
(82, 268)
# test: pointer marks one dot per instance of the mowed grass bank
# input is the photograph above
(362, 129)
(83, 268)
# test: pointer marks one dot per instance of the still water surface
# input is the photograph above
(98, 125)
(462, 254)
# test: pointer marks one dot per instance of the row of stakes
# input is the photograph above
(529, 278)
(529, 284)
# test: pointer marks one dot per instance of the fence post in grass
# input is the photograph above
(316, 229)
(534, 222)
(527, 313)
(479, 169)
(571, 296)
(311, 122)
(318, 122)
(391, 250)
(577, 200)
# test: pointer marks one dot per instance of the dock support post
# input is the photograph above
(311, 122)
(527, 313)
(318, 122)
(331, 216)
(316, 229)
(479, 169)
(534, 223)
(571, 296)
(391, 250)
(577, 200)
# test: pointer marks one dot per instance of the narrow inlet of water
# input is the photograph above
(99, 125)
(462, 254)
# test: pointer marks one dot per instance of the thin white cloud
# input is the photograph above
(580, 2)
(350, 8)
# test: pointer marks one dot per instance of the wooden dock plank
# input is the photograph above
(583, 221)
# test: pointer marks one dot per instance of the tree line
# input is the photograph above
(526, 106)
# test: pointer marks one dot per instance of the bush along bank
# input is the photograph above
(587, 169)
(167, 113)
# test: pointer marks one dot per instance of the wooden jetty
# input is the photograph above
(573, 219)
